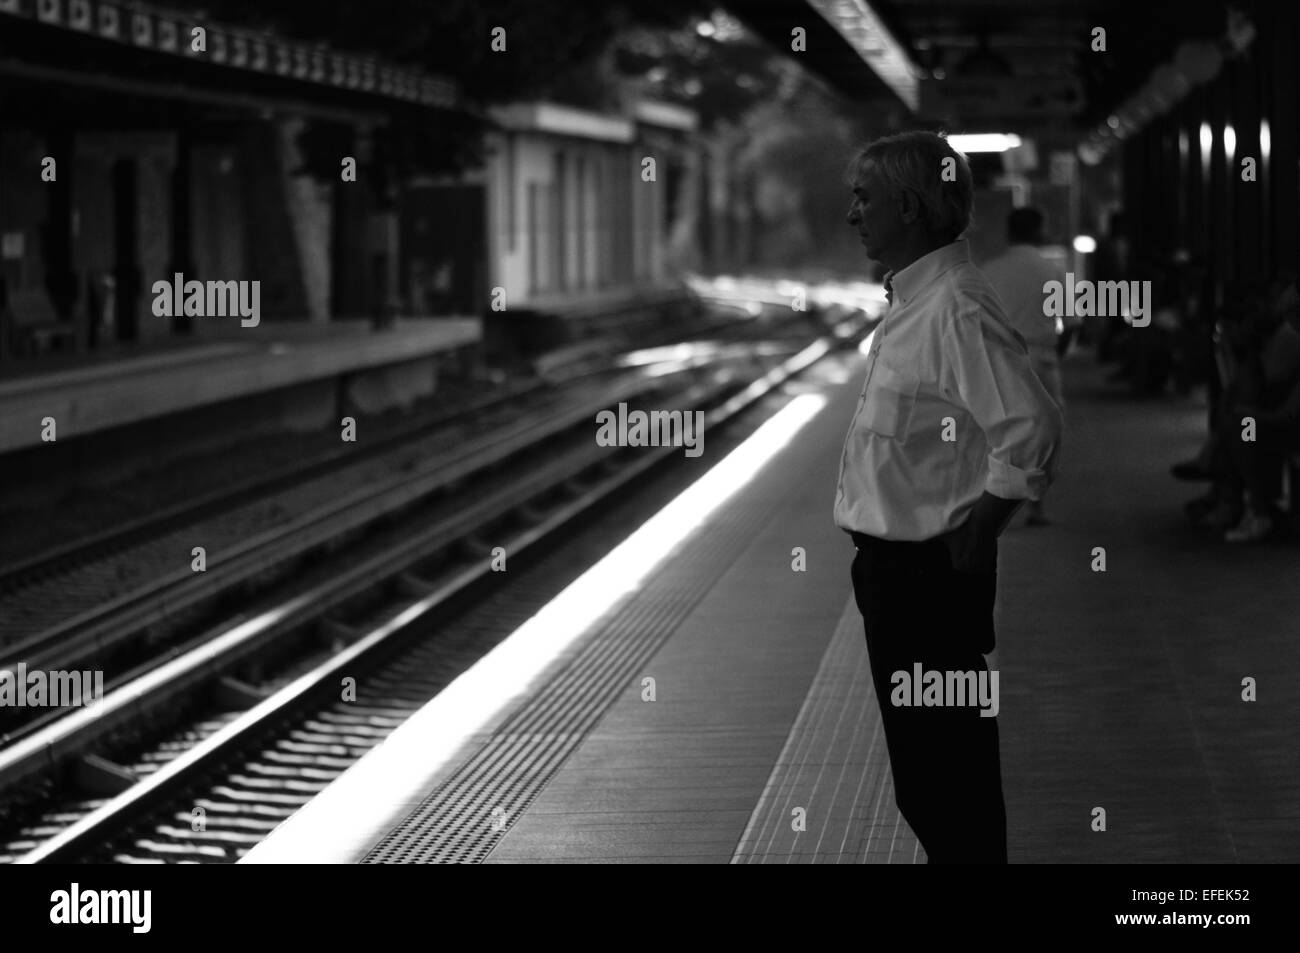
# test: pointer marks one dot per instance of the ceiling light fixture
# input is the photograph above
(984, 142)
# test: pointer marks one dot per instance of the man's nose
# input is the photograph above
(852, 217)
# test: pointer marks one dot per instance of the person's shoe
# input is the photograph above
(1201, 507)
(1252, 528)
(1191, 470)
(1224, 516)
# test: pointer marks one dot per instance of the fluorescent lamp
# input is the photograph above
(984, 142)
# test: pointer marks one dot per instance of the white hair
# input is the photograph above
(915, 161)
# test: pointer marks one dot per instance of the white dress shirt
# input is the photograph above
(944, 350)
(1018, 276)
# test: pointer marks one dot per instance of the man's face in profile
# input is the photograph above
(874, 214)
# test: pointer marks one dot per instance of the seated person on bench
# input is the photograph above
(1274, 401)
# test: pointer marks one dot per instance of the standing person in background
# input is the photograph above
(1018, 276)
(1112, 262)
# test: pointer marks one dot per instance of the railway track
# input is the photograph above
(262, 726)
(87, 603)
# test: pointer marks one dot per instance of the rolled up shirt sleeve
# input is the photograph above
(997, 385)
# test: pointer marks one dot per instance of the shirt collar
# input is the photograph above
(909, 281)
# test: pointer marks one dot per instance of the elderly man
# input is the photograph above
(952, 432)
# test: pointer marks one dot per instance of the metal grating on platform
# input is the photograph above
(465, 816)
(835, 767)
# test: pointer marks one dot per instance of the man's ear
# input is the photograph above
(909, 206)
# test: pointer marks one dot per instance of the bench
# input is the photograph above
(34, 326)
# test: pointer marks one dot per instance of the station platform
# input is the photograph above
(389, 365)
(759, 738)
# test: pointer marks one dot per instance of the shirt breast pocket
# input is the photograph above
(890, 400)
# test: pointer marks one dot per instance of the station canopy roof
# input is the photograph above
(1024, 66)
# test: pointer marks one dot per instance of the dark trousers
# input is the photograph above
(1257, 466)
(945, 760)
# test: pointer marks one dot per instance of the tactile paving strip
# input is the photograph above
(835, 767)
(465, 816)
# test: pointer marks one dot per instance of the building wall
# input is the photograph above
(508, 244)
(98, 243)
(444, 255)
(22, 208)
(218, 212)
(308, 205)
(277, 246)
(574, 218)
(250, 219)
(154, 183)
